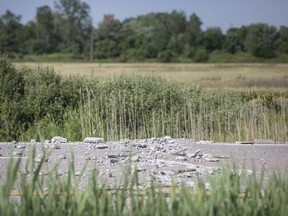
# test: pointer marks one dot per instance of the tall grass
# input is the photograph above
(147, 106)
(231, 194)
(134, 106)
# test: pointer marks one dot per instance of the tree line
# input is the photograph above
(67, 28)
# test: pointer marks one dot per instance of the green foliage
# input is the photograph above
(67, 30)
(261, 40)
(194, 31)
(39, 101)
(234, 43)
(201, 55)
(213, 39)
(166, 56)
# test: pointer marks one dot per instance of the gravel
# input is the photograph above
(161, 159)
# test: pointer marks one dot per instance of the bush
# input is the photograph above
(37, 101)
(201, 55)
(166, 56)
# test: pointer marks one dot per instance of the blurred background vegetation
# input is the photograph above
(38, 103)
(66, 33)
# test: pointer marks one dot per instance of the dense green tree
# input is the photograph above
(283, 39)
(193, 30)
(10, 33)
(45, 38)
(233, 41)
(213, 39)
(261, 40)
(177, 43)
(73, 24)
(106, 49)
(67, 28)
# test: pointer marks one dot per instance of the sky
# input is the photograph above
(213, 13)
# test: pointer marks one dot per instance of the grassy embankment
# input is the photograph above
(36, 102)
(231, 194)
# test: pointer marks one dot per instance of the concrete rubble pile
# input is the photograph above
(164, 160)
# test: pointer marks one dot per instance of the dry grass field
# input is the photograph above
(270, 77)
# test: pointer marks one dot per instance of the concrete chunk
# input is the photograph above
(93, 140)
(58, 139)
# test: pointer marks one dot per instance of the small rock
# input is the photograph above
(62, 157)
(210, 158)
(55, 146)
(135, 158)
(113, 161)
(207, 186)
(167, 138)
(140, 145)
(245, 142)
(101, 146)
(37, 160)
(112, 156)
(181, 158)
(125, 141)
(211, 172)
(193, 154)
(58, 139)
(18, 153)
(93, 140)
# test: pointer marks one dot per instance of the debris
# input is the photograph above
(140, 145)
(167, 138)
(39, 159)
(58, 139)
(112, 156)
(113, 161)
(101, 146)
(180, 153)
(181, 158)
(62, 157)
(205, 142)
(207, 186)
(244, 142)
(93, 140)
(135, 158)
(18, 153)
(193, 154)
(210, 158)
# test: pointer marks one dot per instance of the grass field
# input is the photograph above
(222, 76)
